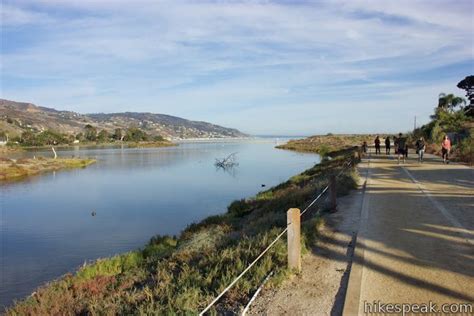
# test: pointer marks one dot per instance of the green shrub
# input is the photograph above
(324, 150)
(466, 149)
(239, 208)
(159, 247)
(265, 195)
(111, 266)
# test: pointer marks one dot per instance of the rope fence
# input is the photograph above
(346, 165)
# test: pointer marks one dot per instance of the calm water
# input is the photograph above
(46, 224)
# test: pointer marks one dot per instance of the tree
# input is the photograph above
(28, 139)
(452, 122)
(103, 136)
(467, 84)
(71, 138)
(50, 137)
(135, 135)
(449, 102)
(117, 134)
(158, 138)
(90, 132)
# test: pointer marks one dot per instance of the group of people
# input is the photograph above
(401, 147)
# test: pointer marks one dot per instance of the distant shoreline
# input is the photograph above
(92, 145)
(226, 139)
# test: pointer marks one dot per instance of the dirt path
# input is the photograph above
(320, 288)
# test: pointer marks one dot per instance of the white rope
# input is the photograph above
(314, 201)
(243, 272)
(266, 249)
(344, 167)
(256, 259)
(325, 189)
(246, 309)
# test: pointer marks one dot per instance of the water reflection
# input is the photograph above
(47, 227)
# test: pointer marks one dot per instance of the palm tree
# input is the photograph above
(449, 102)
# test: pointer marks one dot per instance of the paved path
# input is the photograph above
(416, 238)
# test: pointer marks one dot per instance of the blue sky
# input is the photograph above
(265, 67)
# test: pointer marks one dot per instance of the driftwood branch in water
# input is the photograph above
(227, 162)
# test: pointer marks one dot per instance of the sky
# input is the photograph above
(264, 67)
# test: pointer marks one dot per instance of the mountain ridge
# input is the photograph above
(17, 117)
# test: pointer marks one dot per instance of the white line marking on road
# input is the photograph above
(462, 230)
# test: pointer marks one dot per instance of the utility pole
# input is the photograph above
(414, 124)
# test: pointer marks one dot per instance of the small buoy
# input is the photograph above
(263, 185)
(93, 213)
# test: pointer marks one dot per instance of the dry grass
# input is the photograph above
(7, 150)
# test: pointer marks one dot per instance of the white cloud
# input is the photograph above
(15, 16)
(215, 58)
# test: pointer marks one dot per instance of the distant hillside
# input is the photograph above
(16, 117)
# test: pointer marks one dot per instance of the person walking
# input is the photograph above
(420, 148)
(446, 148)
(377, 145)
(364, 147)
(401, 145)
(387, 145)
(395, 144)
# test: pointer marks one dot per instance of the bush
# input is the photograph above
(239, 208)
(134, 134)
(103, 136)
(159, 247)
(111, 266)
(44, 138)
(324, 151)
(466, 150)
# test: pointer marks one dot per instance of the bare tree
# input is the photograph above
(228, 162)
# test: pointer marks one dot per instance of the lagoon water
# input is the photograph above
(47, 228)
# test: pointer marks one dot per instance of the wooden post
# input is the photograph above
(333, 193)
(294, 243)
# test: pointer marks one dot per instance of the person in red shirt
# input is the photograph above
(445, 148)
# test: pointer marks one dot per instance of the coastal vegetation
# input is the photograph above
(14, 169)
(181, 274)
(453, 118)
(326, 145)
(133, 137)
